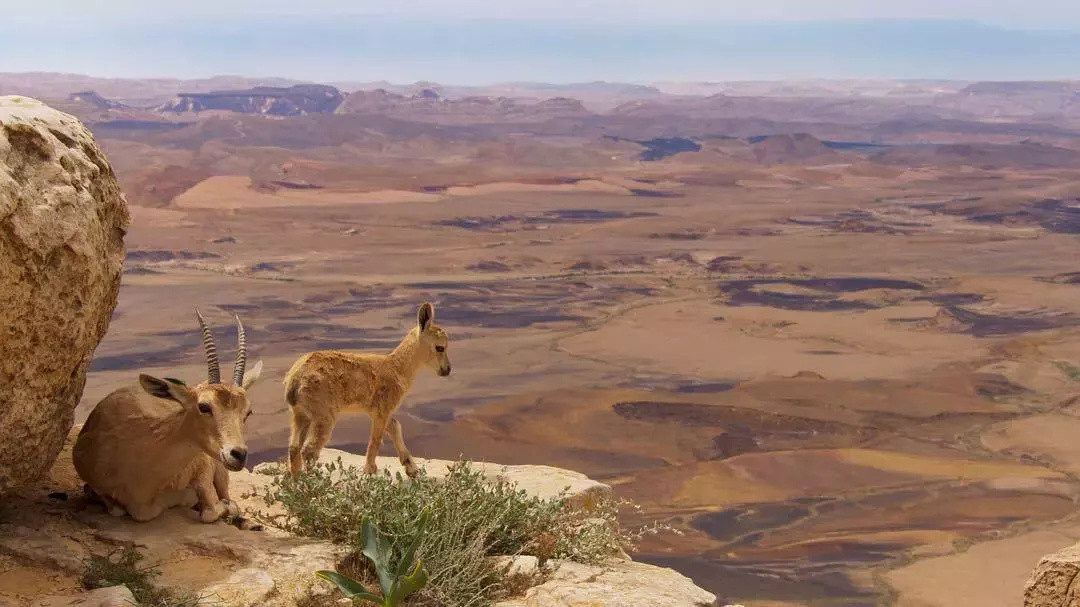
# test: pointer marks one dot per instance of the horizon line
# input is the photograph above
(585, 82)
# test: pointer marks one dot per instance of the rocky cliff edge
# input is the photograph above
(47, 534)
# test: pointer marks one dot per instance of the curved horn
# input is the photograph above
(241, 354)
(213, 371)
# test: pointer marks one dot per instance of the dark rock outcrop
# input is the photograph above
(295, 100)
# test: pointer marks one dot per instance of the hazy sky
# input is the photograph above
(476, 41)
(1025, 13)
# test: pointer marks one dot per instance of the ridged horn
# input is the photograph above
(213, 371)
(241, 354)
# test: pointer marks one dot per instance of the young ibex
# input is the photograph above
(145, 450)
(322, 385)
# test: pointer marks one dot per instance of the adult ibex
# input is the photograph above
(322, 385)
(167, 444)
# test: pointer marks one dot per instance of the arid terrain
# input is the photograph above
(830, 331)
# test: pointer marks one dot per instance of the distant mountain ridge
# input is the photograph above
(867, 112)
(430, 102)
(296, 100)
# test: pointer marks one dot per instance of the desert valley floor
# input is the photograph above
(839, 385)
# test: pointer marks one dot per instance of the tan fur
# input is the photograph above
(323, 385)
(145, 449)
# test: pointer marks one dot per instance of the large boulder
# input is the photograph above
(1053, 583)
(62, 224)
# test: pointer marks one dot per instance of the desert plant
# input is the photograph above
(121, 567)
(397, 581)
(470, 518)
(1068, 369)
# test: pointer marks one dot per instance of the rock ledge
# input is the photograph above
(235, 568)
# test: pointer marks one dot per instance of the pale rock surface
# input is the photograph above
(523, 564)
(619, 583)
(244, 588)
(1054, 581)
(541, 481)
(115, 596)
(223, 564)
(62, 224)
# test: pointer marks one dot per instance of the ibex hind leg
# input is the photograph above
(90, 495)
(113, 506)
(379, 425)
(169, 499)
(301, 424)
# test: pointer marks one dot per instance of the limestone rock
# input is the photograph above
(244, 588)
(618, 584)
(114, 596)
(243, 568)
(40, 546)
(541, 481)
(523, 564)
(1052, 582)
(62, 223)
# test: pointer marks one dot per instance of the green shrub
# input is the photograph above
(471, 518)
(1068, 369)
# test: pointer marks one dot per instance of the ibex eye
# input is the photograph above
(205, 409)
(440, 348)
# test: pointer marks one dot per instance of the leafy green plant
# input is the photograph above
(396, 580)
(121, 567)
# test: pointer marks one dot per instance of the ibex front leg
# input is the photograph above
(318, 435)
(211, 483)
(394, 430)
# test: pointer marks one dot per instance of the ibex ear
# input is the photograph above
(425, 316)
(170, 389)
(252, 375)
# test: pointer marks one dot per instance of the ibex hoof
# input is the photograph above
(370, 468)
(213, 513)
(115, 510)
(231, 509)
